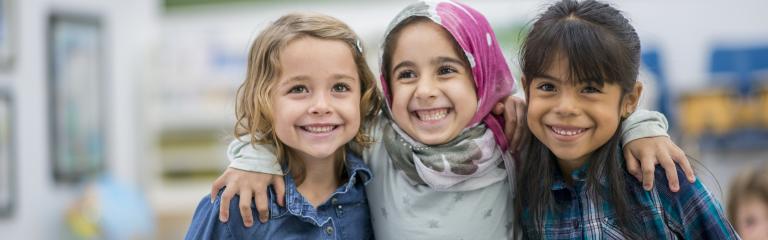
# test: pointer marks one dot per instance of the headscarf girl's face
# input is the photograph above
(433, 93)
(443, 74)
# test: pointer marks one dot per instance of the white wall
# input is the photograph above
(129, 27)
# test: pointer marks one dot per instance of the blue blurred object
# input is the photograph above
(651, 59)
(111, 210)
(742, 68)
(739, 66)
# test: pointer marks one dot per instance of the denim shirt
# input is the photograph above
(691, 213)
(344, 215)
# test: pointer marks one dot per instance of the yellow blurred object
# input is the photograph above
(762, 107)
(707, 111)
(82, 218)
(747, 112)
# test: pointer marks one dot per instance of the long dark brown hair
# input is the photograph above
(601, 47)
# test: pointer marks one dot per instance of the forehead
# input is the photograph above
(314, 55)
(425, 37)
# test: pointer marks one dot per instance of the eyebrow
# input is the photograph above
(440, 60)
(403, 64)
(339, 76)
(304, 78)
(435, 61)
(544, 75)
(294, 79)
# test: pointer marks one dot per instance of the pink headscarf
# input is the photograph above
(493, 79)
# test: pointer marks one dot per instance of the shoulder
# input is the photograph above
(356, 168)
(688, 191)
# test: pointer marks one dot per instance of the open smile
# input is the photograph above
(566, 133)
(319, 129)
(431, 115)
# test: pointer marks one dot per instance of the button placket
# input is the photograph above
(338, 208)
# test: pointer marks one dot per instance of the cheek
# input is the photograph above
(400, 98)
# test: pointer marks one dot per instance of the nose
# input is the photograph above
(321, 104)
(567, 105)
(427, 88)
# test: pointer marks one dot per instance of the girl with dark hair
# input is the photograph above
(580, 65)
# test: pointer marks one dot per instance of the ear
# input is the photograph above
(631, 99)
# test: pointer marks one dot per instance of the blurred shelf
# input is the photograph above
(178, 197)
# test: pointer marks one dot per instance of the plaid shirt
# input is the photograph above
(691, 213)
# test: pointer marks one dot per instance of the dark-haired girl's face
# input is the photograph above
(572, 120)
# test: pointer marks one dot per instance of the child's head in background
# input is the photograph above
(308, 90)
(748, 203)
(442, 71)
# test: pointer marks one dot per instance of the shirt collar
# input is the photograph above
(296, 205)
(580, 174)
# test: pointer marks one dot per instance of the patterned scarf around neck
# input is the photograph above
(468, 162)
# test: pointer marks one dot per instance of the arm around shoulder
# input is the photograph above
(253, 157)
(642, 124)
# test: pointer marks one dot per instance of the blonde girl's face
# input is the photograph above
(316, 100)
(573, 120)
(752, 218)
(433, 94)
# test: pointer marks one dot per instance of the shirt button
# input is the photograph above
(329, 230)
(334, 201)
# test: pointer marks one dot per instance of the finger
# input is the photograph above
(648, 165)
(633, 167)
(226, 197)
(679, 156)
(262, 205)
(245, 207)
(669, 167)
(509, 121)
(218, 184)
(279, 185)
(498, 109)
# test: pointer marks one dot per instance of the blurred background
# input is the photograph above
(115, 115)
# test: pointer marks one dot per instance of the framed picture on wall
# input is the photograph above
(7, 157)
(7, 41)
(77, 103)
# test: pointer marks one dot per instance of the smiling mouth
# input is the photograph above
(432, 114)
(319, 128)
(567, 131)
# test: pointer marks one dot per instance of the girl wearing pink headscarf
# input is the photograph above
(440, 160)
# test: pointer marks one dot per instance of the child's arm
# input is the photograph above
(252, 168)
(646, 141)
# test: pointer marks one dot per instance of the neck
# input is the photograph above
(320, 178)
(567, 166)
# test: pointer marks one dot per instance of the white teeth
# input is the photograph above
(432, 114)
(323, 129)
(565, 132)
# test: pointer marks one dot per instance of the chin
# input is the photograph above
(431, 140)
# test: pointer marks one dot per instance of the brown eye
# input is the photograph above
(547, 87)
(591, 89)
(444, 70)
(406, 74)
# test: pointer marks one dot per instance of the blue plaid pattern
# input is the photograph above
(691, 213)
